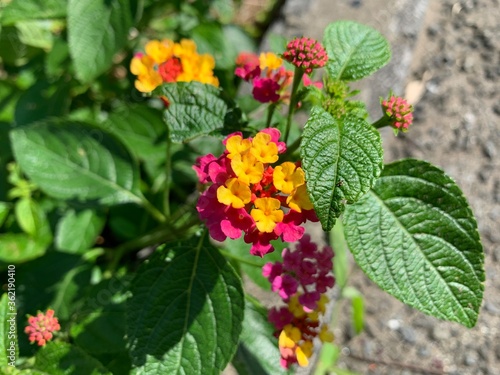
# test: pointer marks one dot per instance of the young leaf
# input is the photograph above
(71, 160)
(185, 313)
(416, 237)
(77, 231)
(60, 358)
(8, 334)
(29, 216)
(97, 30)
(341, 158)
(195, 109)
(20, 10)
(258, 351)
(354, 50)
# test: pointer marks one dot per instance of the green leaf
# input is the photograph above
(97, 30)
(8, 331)
(186, 311)
(29, 216)
(355, 51)
(71, 160)
(77, 231)
(195, 109)
(20, 10)
(357, 305)
(258, 351)
(60, 358)
(37, 34)
(341, 158)
(142, 130)
(4, 212)
(416, 237)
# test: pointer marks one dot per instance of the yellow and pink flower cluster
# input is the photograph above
(246, 194)
(165, 61)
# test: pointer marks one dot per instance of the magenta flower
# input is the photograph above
(265, 90)
(399, 112)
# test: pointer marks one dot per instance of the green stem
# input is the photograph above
(239, 259)
(254, 301)
(270, 112)
(297, 77)
(168, 177)
(294, 146)
(381, 122)
(153, 210)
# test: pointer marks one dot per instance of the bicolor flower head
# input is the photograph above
(166, 61)
(305, 53)
(301, 281)
(399, 112)
(247, 195)
(41, 327)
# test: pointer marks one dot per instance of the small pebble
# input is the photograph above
(409, 335)
(440, 333)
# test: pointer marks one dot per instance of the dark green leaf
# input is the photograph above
(19, 10)
(77, 231)
(186, 311)
(60, 358)
(341, 158)
(97, 30)
(195, 109)
(8, 332)
(416, 237)
(258, 351)
(354, 50)
(40, 101)
(71, 160)
(55, 59)
(4, 212)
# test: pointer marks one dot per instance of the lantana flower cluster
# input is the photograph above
(41, 327)
(301, 280)
(399, 112)
(306, 53)
(166, 61)
(247, 195)
(266, 73)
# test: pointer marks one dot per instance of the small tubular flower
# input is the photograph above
(166, 61)
(235, 194)
(287, 177)
(269, 60)
(264, 150)
(41, 327)
(267, 214)
(399, 113)
(305, 53)
(247, 168)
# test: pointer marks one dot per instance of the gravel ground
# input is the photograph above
(446, 57)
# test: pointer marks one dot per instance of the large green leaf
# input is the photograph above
(71, 160)
(8, 331)
(19, 10)
(342, 158)
(60, 358)
(195, 109)
(97, 30)
(354, 50)
(186, 311)
(416, 237)
(258, 351)
(77, 231)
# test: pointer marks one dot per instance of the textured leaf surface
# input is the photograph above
(18, 10)
(71, 160)
(195, 109)
(97, 29)
(258, 351)
(77, 231)
(60, 358)
(354, 50)
(342, 158)
(416, 237)
(185, 313)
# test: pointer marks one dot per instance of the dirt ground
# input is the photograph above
(446, 57)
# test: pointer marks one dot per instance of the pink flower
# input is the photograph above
(399, 111)
(308, 82)
(285, 285)
(280, 317)
(247, 66)
(265, 90)
(309, 300)
(201, 167)
(305, 53)
(40, 328)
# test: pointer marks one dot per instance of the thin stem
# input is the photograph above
(297, 77)
(239, 259)
(153, 210)
(254, 301)
(294, 146)
(168, 177)
(381, 122)
(270, 112)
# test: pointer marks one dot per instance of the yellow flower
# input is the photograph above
(269, 60)
(267, 214)
(159, 51)
(289, 336)
(236, 145)
(286, 177)
(325, 335)
(247, 168)
(303, 353)
(299, 199)
(295, 307)
(263, 149)
(235, 193)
